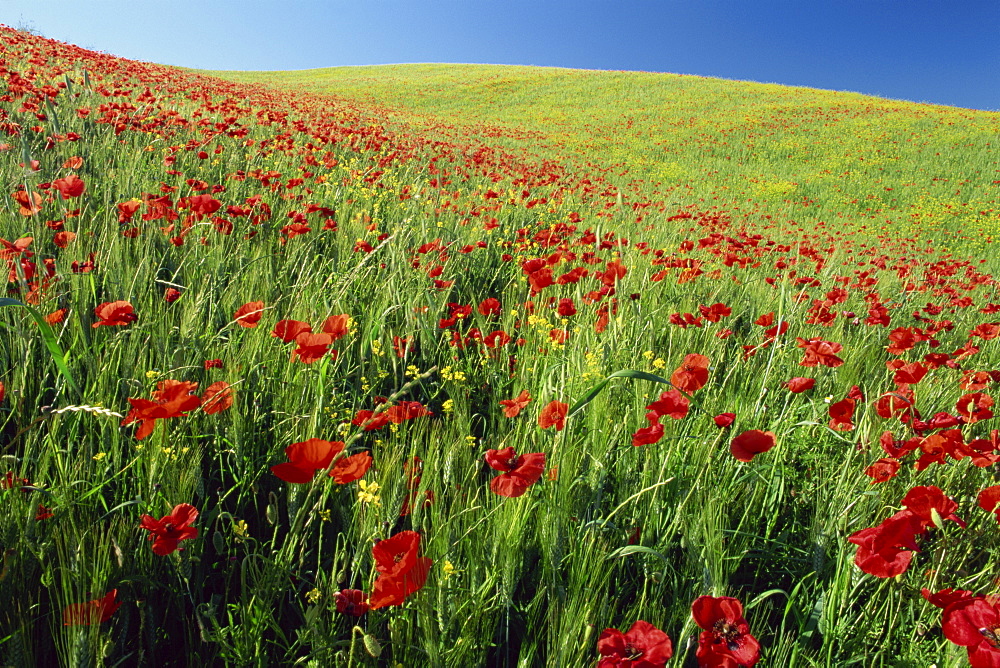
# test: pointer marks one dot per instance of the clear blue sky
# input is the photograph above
(945, 51)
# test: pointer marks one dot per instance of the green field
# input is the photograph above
(295, 302)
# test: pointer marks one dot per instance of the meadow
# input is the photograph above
(491, 366)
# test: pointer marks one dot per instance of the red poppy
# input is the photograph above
(512, 407)
(671, 403)
(217, 397)
(751, 443)
(69, 186)
(945, 597)
(170, 295)
(249, 314)
(489, 307)
(651, 434)
(311, 347)
(337, 325)
(351, 602)
(517, 472)
(29, 204)
(114, 314)
(401, 571)
(819, 352)
(169, 530)
(975, 624)
(642, 646)
(692, 374)
(566, 307)
(898, 403)
(288, 330)
(926, 502)
(883, 470)
(405, 410)
(910, 374)
(172, 398)
(349, 469)
(63, 238)
(989, 499)
(723, 420)
(974, 407)
(842, 414)
(553, 415)
(97, 611)
(725, 639)
(305, 458)
(799, 384)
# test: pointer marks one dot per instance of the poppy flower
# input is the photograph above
(553, 415)
(945, 597)
(305, 458)
(751, 443)
(974, 407)
(566, 307)
(172, 398)
(671, 403)
(288, 330)
(651, 434)
(97, 611)
(818, 352)
(989, 499)
(926, 502)
(842, 415)
(405, 410)
(170, 295)
(170, 529)
(217, 397)
(489, 307)
(883, 470)
(351, 602)
(692, 374)
(723, 420)
(249, 314)
(512, 407)
(642, 646)
(975, 624)
(337, 326)
(69, 186)
(349, 469)
(29, 204)
(400, 571)
(114, 314)
(898, 403)
(517, 472)
(311, 347)
(798, 384)
(725, 639)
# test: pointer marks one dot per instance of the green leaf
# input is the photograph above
(636, 549)
(627, 373)
(49, 337)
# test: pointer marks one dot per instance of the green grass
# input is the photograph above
(764, 198)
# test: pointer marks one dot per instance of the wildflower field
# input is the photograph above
(492, 366)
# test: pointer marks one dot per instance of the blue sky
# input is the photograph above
(941, 52)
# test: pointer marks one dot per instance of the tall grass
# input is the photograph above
(611, 533)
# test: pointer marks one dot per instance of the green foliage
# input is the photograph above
(421, 200)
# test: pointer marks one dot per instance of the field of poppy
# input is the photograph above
(482, 366)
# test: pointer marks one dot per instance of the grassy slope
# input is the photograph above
(526, 581)
(810, 154)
